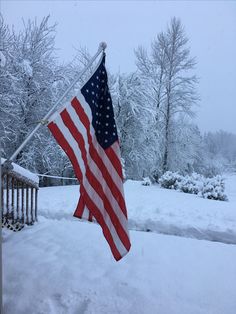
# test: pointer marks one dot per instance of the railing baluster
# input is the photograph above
(17, 199)
(3, 181)
(12, 199)
(31, 205)
(7, 196)
(36, 204)
(22, 203)
(27, 205)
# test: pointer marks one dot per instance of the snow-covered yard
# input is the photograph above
(161, 210)
(62, 265)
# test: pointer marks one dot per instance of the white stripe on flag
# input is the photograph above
(116, 178)
(90, 190)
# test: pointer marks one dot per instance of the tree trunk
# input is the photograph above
(166, 152)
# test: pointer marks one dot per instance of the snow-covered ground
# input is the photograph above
(161, 210)
(64, 266)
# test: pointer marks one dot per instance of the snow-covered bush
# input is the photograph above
(192, 184)
(155, 175)
(170, 180)
(211, 188)
(146, 181)
(214, 188)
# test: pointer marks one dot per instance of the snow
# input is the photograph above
(61, 265)
(27, 68)
(2, 59)
(23, 172)
(174, 212)
(211, 188)
(158, 209)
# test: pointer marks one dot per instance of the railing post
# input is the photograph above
(31, 205)
(36, 204)
(2, 194)
(27, 205)
(7, 196)
(17, 200)
(22, 204)
(12, 199)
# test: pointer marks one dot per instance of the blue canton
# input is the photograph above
(97, 95)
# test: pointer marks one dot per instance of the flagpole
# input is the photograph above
(102, 47)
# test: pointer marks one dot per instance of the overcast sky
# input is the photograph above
(209, 25)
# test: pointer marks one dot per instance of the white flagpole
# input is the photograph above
(102, 47)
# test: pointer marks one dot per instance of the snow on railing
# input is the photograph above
(22, 174)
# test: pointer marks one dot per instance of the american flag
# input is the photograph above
(86, 130)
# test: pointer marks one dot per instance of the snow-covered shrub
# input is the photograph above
(214, 188)
(211, 188)
(146, 181)
(192, 184)
(155, 175)
(170, 180)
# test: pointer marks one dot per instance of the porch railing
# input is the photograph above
(19, 198)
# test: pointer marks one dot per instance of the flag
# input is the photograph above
(86, 130)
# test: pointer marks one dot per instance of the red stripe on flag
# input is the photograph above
(98, 159)
(80, 207)
(97, 214)
(109, 151)
(97, 186)
(90, 216)
(115, 160)
(90, 204)
(63, 143)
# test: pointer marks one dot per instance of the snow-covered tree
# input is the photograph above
(220, 150)
(186, 149)
(34, 63)
(169, 84)
(30, 83)
(133, 118)
(9, 91)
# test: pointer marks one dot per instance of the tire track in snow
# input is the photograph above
(227, 237)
